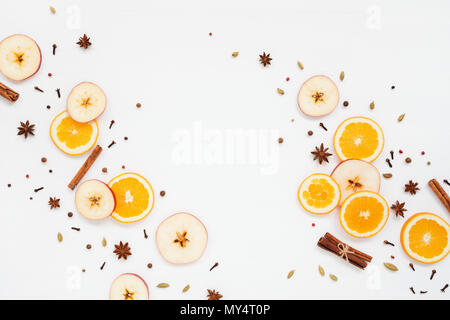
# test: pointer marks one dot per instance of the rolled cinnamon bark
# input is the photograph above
(8, 93)
(86, 165)
(440, 192)
(336, 241)
(331, 247)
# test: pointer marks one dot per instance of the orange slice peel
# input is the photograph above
(319, 194)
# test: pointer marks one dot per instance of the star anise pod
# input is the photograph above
(399, 208)
(214, 295)
(84, 42)
(411, 187)
(25, 129)
(265, 59)
(321, 154)
(53, 203)
(122, 250)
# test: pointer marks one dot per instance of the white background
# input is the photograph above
(159, 53)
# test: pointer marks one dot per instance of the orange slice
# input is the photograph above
(425, 237)
(364, 214)
(73, 137)
(134, 197)
(358, 138)
(319, 194)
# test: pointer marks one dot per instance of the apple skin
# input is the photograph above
(40, 55)
(132, 274)
(311, 115)
(114, 196)
(89, 82)
(379, 177)
(207, 237)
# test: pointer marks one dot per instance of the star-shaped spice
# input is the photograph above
(84, 42)
(26, 129)
(265, 59)
(321, 154)
(53, 203)
(122, 250)
(214, 295)
(399, 208)
(411, 187)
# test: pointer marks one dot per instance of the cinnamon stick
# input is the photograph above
(336, 241)
(8, 93)
(86, 165)
(440, 192)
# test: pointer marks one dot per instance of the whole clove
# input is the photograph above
(323, 126)
(389, 243)
(38, 89)
(214, 266)
(54, 48)
(433, 272)
(412, 267)
(389, 162)
(58, 91)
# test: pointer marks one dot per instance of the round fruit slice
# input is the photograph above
(134, 196)
(319, 194)
(358, 138)
(425, 237)
(364, 214)
(318, 96)
(94, 200)
(181, 238)
(20, 57)
(86, 102)
(356, 175)
(129, 286)
(73, 137)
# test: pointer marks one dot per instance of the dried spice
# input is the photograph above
(76, 229)
(290, 274)
(103, 265)
(433, 272)
(163, 285)
(38, 89)
(388, 243)
(38, 189)
(342, 76)
(345, 104)
(280, 140)
(214, 266)
(408, 160)
(186, 289)
(149, 265)
(111, 124)
(387, 175)
(323, 126)
(412, 290)
(412, 267)
(52, 10)
(111, 144)
(145, 234)
(26, 129)
(333, 277)
(372, 105)
(310, 133)
(399, 209)
(104, 243)
(214, 295)
(444, 288)
(280, 91)
(401, 117)
(162, 193)
(321, 271)
(391, 266)
(300, 65)
(54, 46)
(446, 182)
(411, 187)
(321, 154)
(389, 162)
(122, 250)
(60, 237)
(265, 59)
(84, 42)
(235, 54)
(53, 203)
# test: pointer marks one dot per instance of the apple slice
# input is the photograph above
(20, 57)
(95, 200)
(181, 238)
(86, 102)
(129, 286)
(318, 96)
(356, 175)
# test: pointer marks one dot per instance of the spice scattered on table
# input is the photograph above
(235, 54)
(214, 266)
(84, 42)
(372, 105)
(122, 250)
(280, 91)
(300, 65)
(53, 203)
(345, 104)
(412, 267)
(290, 274)
(412, 290)
(440, 193)
(54, 46)
(408, 160)
(265, 59)
(387, 175)
(38, 189)
(433, 272)
(323, 126)
(411, 187)
(186, 288)
(25, 129)
(342, 76)
(38, 89)
(8, 93)
(162, 193)
(58, 92)
(60, 237)
(389, 163)
(149, 265)
(389, 243)
(391, 266)
(321, 154)
(163, 285)
(399, 208)
(214, 295)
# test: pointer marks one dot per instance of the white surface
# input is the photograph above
(159, 53)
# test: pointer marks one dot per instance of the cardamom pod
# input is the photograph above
(391, 266)
(104, 242)
(321, 271)
(235, 54)
(400, 118)
(387, 175)
(333, 277)
(60, 237)
(185, 289)
(163, 285)
(341, 76)
(300, 65)
(372, 105)
(280, 91)
(52, 10)
(290, 274)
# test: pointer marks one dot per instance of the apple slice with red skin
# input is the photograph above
(354, 175)
(95, 200)
(181, 238)
(129, 286)
(20, 57)
(318, 96)
(86, 102)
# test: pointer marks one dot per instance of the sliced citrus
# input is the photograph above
(73, 137)
(364, 214)
(358, 138)
(134, 197)
(425, 237)
(319, 194)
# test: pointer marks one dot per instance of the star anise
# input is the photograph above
(399, 208)
(411, 187)
(84, 42)
(321, 154)
(53, 203)
(25, 129)
(265, 59)
(122, 250)
(214, 295)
